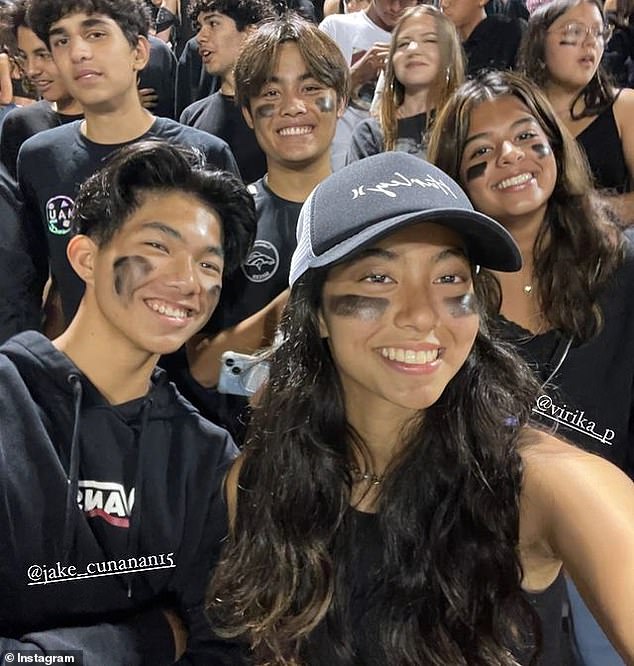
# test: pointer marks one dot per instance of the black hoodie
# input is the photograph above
(108, 513)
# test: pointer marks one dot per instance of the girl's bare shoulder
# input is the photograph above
(540, 449)
(559, 475)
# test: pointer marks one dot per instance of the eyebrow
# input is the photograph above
(85, 25)
(302, 77)
(174, 233)
(390, 255)
(208, 15)
(482, 135)
(372, 253)
(410, 35)
(450, 252)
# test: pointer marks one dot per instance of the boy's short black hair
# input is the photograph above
(243, 12)
(108, 198)
(131, 16)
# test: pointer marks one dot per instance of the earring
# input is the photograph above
(447, 75)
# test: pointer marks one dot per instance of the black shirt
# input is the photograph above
(20, 292)
(493, 44)
(160, 74)
(603, 147)
(365, 582)
(219, 115)
(193, 82)
(264, 274)
(22, 123)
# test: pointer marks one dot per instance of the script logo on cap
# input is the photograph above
(385, 187)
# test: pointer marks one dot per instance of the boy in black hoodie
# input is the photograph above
(112, 508)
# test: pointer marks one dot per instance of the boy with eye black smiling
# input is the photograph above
(99, 47)
(291, 83)
(121, 475)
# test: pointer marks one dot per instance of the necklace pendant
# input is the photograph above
(528, 288)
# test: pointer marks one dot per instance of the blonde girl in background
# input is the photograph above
(424, 66)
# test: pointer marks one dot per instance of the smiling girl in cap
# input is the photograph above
(392, 506)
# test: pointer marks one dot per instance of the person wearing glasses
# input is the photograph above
(562, 53)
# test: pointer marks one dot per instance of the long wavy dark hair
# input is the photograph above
(578, 246)
(448, 512)
(598, 94)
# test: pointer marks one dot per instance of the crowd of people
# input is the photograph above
(410, 222)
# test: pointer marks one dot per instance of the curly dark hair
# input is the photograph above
(109, 197)
(131, 16)
(448, 512)
(243, 12)
(598, 93)
(13, 16)
(578, 246)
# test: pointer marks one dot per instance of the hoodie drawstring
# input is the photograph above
(135, 518)
(70, 513)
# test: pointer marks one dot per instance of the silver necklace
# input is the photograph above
(369, 477)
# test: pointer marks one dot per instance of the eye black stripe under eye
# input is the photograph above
(354, 305)
(462, 306)
(541, 149)
(476, 171)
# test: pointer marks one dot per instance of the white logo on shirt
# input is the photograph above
(59, 210)
(106, 500)
(262, 262)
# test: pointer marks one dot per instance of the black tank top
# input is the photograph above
(602, 144)
(364, 581)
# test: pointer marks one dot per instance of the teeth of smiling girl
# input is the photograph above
(515, 180)
(409, 355)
